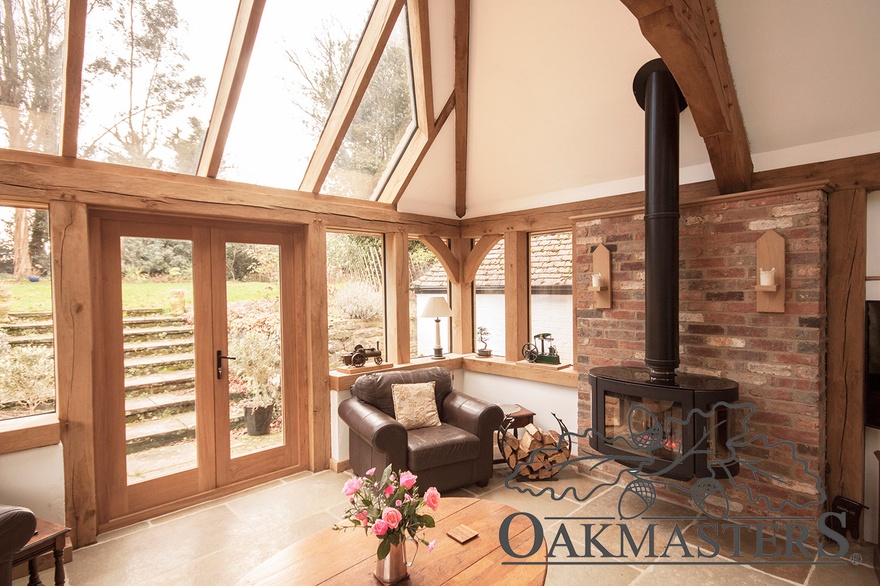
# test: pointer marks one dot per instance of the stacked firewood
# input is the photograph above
(538, 463)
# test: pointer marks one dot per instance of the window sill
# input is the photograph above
(27, 433)
(566, 377)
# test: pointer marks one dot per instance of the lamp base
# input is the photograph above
(438, 353)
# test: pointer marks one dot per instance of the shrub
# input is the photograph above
(358, 300)
(257, 364)
(27, 376)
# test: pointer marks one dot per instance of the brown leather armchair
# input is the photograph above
(17, 526)
(455, 454)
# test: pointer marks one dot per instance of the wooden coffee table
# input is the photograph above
(336, 557)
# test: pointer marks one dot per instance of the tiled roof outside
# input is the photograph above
(550, 265)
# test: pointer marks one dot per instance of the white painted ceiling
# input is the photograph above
(552, 118)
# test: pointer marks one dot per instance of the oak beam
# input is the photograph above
(415, 152)
(690, 43)
(397, 297)
(420, 49)
(238, 56)
(462, 301)
(516, 293)
(316, 345)
(38, 178)
(71, 293)
(475, 257)
(447, 258)
(846, 343)
(462, 34)
(71, 98)
(363, 64)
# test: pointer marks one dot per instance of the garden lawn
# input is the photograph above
(27, 296)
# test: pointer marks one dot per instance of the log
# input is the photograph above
(533, 431)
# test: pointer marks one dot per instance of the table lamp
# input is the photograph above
(437, 307)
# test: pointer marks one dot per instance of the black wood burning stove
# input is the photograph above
(634, 409)
(634, 416)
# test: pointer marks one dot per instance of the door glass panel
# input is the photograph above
(253, 312)
(160, 397)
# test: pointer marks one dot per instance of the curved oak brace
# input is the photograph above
(445, 256)
(687, 36)
(475, 258)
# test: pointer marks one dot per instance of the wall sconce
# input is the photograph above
(770, 273)
(600, 280)
(437, 307)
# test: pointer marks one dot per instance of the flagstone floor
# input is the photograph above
(217, 543)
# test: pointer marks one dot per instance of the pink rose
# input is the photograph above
(407, 479)
(380, 527)
(431, 545)
(432, 498)
(398, 503)
(389, 490)
(392, 517)
(406, 497)
(362, 517)
(352, 485)
(371, 471)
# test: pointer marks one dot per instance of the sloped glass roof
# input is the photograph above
(382, 126)
(300, 58)
(32, 50)
(151, 72)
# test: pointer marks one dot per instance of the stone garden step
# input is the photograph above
(158, 347)
(143, 365)
(153, 433)
(47, 315)
(166, 404)
(164, 382)
(28, 328)
(130, 335)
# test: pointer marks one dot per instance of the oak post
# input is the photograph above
(462, 302)
(397, 296)
(516, 293)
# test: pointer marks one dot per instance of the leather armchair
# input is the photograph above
(17, 526)
(455, 454)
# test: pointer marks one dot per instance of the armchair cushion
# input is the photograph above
(414, 405)
(432, 447)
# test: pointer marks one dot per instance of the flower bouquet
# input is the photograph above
(388, 507)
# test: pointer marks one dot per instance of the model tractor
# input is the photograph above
(359, 356)
(547, 355)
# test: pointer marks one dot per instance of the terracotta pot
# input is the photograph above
(258, 419)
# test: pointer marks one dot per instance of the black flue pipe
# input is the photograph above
(658, 94)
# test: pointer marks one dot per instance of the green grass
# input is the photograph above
(27, 296)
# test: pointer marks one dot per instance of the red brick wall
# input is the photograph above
(777, 358)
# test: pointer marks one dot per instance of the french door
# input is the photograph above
(199, 385)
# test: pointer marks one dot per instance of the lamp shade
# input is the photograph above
(436, 307)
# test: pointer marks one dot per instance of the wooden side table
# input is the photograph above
(48, 537)
(521, 417)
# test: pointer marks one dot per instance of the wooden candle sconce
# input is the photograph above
(601, 267)
(771, 259)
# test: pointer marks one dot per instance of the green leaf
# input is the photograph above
(428, 520)
(385, 474)
(384, 549)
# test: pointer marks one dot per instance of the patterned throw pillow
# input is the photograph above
(414, 405)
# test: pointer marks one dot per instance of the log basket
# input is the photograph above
(545, 449)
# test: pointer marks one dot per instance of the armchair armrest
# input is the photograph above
(471, 414)
(376, 428)
(17, 526)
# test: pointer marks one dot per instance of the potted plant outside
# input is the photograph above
(258, 365)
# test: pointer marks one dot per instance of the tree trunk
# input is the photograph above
(21, 256)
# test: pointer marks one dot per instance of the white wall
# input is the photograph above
(872, 435)
(34, 479)
(542, 398)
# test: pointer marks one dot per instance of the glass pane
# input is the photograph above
(489, 305)
(151, 72)
(382, 125)
(640, 420)
(30, 95)
(157, 325)
(427, 279)
(355, 294)
(550, 271)
(253, 308)
(27, 361)
(300, 57)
